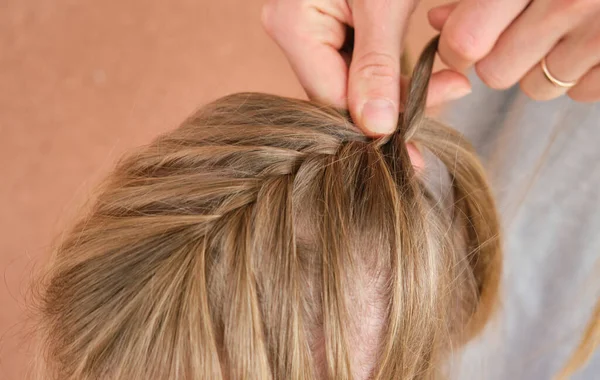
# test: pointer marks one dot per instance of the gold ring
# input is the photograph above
(552, 79)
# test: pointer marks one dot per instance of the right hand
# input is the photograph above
(311, 33)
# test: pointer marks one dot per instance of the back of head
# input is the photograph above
(267, 238)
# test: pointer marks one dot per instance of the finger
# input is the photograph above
(568, 61)
(322, 72)
(444, 86)
(374, 77)
(416, 157)
(310, 39)
(526, 42)
(447, 85)
(439, 15)
(472, 29)
(588, 88)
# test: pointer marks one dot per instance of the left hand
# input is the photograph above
(507, 40)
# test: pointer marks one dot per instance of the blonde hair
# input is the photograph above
(251, 242)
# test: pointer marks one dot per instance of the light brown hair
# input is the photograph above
(262, 239)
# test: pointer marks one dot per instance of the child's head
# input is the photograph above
(267, 238)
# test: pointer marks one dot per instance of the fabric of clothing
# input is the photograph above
(543, 160)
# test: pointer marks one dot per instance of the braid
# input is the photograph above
(261, 239)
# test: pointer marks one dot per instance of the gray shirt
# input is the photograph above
(543, 159)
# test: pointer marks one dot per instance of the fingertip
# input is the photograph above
(447, 85)
(435, 19)
(438, 16)
(451, 76)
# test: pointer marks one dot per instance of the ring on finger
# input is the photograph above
(555, 81)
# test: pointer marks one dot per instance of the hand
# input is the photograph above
(508, 39)
(311, 34)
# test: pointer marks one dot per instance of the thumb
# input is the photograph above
(374, 75)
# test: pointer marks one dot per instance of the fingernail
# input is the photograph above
(379, 116)
(458, 92)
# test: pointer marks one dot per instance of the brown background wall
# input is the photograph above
(81, 81)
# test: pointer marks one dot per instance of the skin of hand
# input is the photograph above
(507, 40)
(311, 34)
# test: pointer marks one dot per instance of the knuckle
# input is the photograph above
(379, 65)
(493, 78)
(464, 45)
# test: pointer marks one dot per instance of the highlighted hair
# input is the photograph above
(258, 240)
